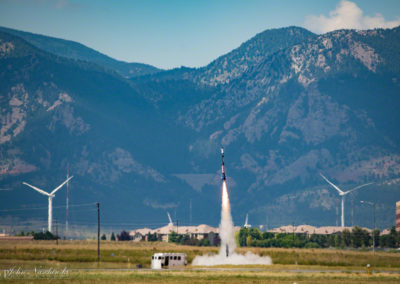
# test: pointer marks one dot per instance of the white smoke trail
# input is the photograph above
(227, 253)
(226, 228)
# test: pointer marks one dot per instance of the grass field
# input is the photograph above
(120, 259)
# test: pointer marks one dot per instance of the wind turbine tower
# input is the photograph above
(50, 196)
(343, 194)
(67, 206)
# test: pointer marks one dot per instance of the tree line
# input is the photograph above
(39, 235)
(356, 238)
(185, 239)
(252, 237)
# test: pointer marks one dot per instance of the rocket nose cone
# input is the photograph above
(222, 150)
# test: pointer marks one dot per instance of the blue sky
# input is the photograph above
(177, 33)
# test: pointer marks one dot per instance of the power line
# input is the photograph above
(41, 208)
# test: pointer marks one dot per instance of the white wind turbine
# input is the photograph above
(343, 194)
(51, 196)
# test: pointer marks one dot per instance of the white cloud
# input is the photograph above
(347, 15)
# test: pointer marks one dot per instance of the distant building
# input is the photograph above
(398, 216)
(311, 230)
(140, 234)
(4, 237)
(385, 232)
(199, 232)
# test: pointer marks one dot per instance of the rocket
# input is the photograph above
(223, 165)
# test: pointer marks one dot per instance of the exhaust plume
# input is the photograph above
(227, 253)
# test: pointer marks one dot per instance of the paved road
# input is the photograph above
(238, 269)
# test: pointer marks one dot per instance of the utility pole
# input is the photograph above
(352, 211)
(373, 230)
(56, 232)
(177, 226)
(98, 231)
(190, 216)
(293, 231)
(67, 205)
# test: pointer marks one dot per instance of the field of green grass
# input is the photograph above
(119, 261)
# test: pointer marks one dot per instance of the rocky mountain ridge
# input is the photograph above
(286, 105)
(77, 51)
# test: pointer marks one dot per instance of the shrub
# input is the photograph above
(45, 236)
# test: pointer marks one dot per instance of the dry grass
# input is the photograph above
(199, 276)
(313, 265)
(130, 254)
(328, 257)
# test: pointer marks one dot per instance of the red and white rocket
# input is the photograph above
(223, 165)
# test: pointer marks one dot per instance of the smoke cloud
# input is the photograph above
(227, 253)
(347, 15)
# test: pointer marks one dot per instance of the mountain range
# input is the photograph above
(286, 105)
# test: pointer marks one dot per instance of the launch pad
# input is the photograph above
(227, 254)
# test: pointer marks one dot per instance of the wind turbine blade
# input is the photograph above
(334, 186)
(37, 189)
(61, 185)
(169, 217)
(358, 187)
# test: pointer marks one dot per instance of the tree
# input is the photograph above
(312, 245)
(268, 235)
(124, 236)
(330, 240)
(103, 237)
(384, 241)
(356, 237)
(112, 236)
(321, 240)
(243, 233)
(255, 233)
(376, 234)
(392, 238)
(45, 236)
(204, 242)
(338, 240)
(152, 237)
(360, 237)
(173, 237)
(185, 239)
(346, 237)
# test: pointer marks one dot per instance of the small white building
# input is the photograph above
(168, 260)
